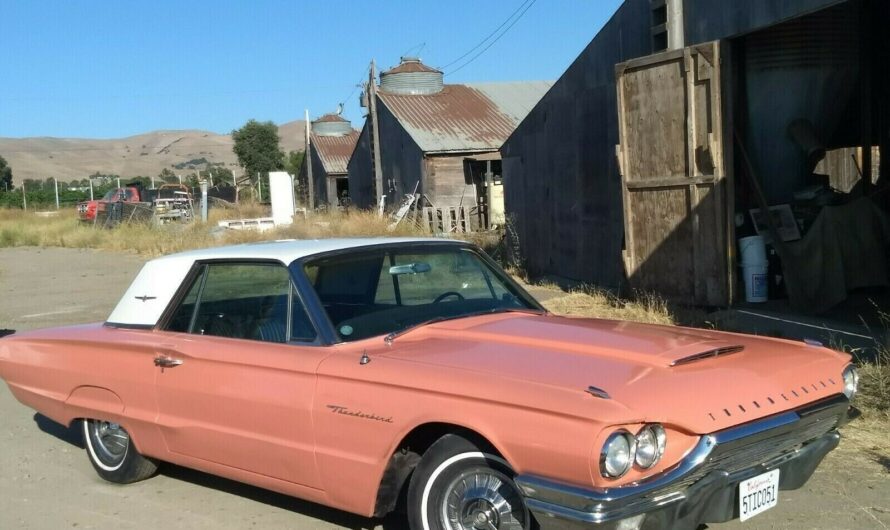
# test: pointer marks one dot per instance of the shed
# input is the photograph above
(440, 139)
(331, 143)
(643, 163)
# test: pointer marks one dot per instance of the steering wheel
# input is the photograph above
(446, 295)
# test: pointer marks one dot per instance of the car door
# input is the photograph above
(237, 368)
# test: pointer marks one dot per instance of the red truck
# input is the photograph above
(87, 210)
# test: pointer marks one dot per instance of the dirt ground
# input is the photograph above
(46, 481)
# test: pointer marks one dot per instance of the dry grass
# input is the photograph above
(598, 303)
(874, 377)
(19, 228)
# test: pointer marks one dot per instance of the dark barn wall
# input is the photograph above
(782, 83)
(319, 177)
(361, 172)
(562, 183)
(561, 180)
(707, 20)
(401, 158)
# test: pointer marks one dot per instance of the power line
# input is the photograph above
(492, 43)
(490, 35)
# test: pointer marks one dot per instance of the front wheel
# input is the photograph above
(113, 455)
(458, 486)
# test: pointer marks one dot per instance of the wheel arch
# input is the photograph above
(407, 454)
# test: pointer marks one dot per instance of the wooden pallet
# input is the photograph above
(447, 220)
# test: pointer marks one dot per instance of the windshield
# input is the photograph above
(385, 291)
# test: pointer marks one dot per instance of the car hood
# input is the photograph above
(655, 371)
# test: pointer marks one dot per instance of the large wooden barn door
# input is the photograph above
(674, 176)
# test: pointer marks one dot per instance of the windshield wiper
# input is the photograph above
(526, 310)
(395, 334)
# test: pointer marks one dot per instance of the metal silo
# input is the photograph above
(331, 125)
(411, 76)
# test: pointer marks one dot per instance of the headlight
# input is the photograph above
(851, 381)
(651, 441)
(617, 455)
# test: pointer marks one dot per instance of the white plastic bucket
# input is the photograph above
(756, 281)
(752, 250)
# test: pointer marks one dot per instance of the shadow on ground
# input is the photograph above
(882, 459)
(73, 435)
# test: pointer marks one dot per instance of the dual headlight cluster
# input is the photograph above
(622, 449)
(851, 381)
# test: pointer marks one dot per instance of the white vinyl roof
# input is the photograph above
(153, 288)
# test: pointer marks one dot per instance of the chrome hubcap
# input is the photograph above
(110, 441)
(483, 499)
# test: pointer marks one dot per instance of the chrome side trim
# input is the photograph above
(716, 352)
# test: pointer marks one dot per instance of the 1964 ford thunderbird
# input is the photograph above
(415, 375)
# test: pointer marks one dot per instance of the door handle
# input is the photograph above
(167, 362)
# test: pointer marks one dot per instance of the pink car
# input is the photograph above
(369, 374)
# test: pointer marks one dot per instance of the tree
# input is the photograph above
(5, 175)
(256, 146)
(168, 176)
(293, 162)
(222, 176)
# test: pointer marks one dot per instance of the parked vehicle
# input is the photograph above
(88, 210)
(173, 202)
(365, 374)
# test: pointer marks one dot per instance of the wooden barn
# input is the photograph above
(439, 139)
(657, 150)
(331, 143)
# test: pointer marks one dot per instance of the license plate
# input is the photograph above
(758, 494)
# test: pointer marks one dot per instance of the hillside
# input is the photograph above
(144, 154)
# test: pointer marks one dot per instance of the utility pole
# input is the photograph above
(24, 196)
(259, 186)
(56, 182)
(91, 188)
(307, 158)
(375, 131)
(118, 182)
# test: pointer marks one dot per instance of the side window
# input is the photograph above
(182, 317)
(244, 301)
(301, 328)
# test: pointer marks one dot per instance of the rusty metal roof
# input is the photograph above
(334, 151)
(410, 66)
(471, 117)
(330, 117)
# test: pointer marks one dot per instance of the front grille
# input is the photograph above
(746, 453)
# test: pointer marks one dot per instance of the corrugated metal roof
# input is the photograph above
(330, 117)
(476, 117)
(410, 65)
(335, 151)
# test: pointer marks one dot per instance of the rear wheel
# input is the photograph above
(113, 455)
(460, 486)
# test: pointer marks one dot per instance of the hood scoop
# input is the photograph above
(716, 352)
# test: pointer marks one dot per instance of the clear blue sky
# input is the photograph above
(115, 68)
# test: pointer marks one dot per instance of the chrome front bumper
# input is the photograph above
(703, 487)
